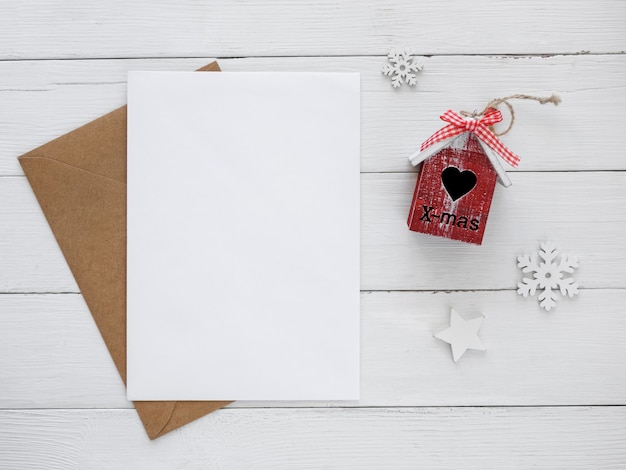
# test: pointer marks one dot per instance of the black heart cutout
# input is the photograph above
(458, 183)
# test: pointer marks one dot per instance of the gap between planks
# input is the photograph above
(368, 291)
(339, 407)
(315, 56)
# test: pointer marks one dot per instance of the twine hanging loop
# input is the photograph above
(494, 103)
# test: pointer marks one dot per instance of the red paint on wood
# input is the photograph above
(433, 211)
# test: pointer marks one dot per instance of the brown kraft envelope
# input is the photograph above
(80, 182)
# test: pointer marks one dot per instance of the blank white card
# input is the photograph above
(243, 236)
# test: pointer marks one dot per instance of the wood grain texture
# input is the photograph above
(117, 28)
(574, 209)
(30, 255)
(51, 354)
(442, 438)
(62, 404)
(44, 99)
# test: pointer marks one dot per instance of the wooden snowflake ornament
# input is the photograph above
(402, 68)
(547, 275)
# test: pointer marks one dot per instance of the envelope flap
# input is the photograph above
(87, 214)
(98, 147)
(161, 417)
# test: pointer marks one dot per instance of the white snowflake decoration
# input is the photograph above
(547, 275)
(402, 68)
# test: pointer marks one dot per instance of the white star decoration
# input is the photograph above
(462, 334)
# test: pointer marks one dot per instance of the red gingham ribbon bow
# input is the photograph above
(458, 125)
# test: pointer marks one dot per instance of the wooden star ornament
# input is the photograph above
(462, 334)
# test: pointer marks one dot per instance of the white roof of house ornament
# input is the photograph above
(458, 141)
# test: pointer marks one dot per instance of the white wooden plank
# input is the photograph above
(30, 258)
(579, 134)
(577, 210)
(117, 28)
(42, 100)
(468, 438)
(580, 211)
(51, 354)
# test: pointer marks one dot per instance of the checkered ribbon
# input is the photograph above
(459, 125)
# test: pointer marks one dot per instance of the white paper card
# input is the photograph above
(243, 236)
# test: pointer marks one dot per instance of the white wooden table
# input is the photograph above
(550, 391)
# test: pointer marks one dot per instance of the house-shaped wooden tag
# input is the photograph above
(454, 188)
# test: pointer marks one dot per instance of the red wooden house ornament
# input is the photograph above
(457, 179)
